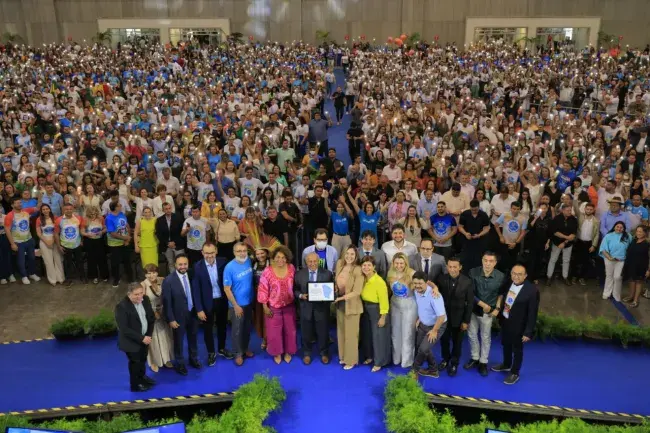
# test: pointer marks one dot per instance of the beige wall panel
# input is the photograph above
(11, 11)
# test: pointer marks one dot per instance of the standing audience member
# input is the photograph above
(613, 249)
(430, 325)
(168, 230)
(563, 230)
(49, 250)
(20, 238)
(637, 265)
(375, 320)
(161, 349)
(403, 311)
(349, 283)
(67, 232)
(118, 239)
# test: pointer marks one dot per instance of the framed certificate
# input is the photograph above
(321, 291)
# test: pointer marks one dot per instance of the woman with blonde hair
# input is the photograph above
(93, 232)
(403, 311)
(348, 283)
(144, 238)
(161, 349)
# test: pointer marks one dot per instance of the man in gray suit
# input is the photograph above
(368, 249)
(314, 315)
(427, 261)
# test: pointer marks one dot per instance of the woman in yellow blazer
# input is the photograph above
(348, 284)
(375, 321)
(210, 206)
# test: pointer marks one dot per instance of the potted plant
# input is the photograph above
(565, 328)
(69, 328)
(598, 329)
(102, 325)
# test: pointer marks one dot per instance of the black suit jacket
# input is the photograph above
(523, 313)
(202, 285)
(175, 303)
(169, 234)
(300, 287)
(129, 326)
(459, 300)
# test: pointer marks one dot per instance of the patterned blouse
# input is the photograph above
(277, 292)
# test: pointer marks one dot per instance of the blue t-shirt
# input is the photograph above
(564, 179)
(340, 224)
(322, 258)
(640, 211)
(116, 224)
(239, 276)
(368, 222)
(441, 226)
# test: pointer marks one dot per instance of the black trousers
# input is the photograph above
(513, 353)
(225, 250)
(137, 367)
(350, 102)
(453, 336)
(581, 258)
(96, 258)
(218, 316)
(189, 325)
(73, 262)
(339, 112)
(314, 326)
(193, 256)
(120, 255)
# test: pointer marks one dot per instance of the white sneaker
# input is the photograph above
(12, 279)
(3, 281)
(35, 277)
(25, 280)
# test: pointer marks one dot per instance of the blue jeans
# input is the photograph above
(26, 259)
(6, 261)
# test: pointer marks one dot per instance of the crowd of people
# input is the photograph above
(470, 173)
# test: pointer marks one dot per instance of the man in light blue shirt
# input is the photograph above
(431, 324)
(53, 199)
(238, 285)
(427, 206)
(614, 215)
(638, 213)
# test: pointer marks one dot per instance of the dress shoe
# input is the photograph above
(483, 370)
(325, 359)
(181, 369)
(226, 353)
(442, 365)
(567, 282)
(239, 361)
(195, 363)
(142, 387)
(306, 359)
(511, 379)
(212, 359)
(499, 368)
(148, 380)
(452, 369)
(429, 372)
(249, 354)
(472, 363)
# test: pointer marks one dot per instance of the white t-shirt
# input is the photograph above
(249, 187)
(197, 233)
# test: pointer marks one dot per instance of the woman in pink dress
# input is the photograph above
(275, 293)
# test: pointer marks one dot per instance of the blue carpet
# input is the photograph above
(337, 133)
(625, 312)
(323, 398)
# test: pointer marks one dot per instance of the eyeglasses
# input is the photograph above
(426, 249)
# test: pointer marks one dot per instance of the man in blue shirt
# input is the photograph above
(443, 228)
(614, 215)
(53, 199)
(639, 214)
(565, 177)
(431, 324)
(238, 285)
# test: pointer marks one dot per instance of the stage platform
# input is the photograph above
(48, 378)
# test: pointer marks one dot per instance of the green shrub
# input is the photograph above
(252, 405)
(71, 326)
(102, 323)
(599, 327)
(414, 416)
(565, 327)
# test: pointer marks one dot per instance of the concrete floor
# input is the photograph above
(28, 310)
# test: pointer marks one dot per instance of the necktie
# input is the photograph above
(312, 276)
(426, 266)
(367, 253)
(188, 293)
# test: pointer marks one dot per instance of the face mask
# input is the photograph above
(321, 245)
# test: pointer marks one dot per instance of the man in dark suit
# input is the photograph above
(518, 318)
(368, 249)
(135, 318)
(427, 261)
(168, 231)
(458, 293)
(178, 308)
(211, 302)
(314, 315)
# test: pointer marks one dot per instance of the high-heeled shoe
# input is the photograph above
(287, 358)
(277, 359)
(154, 368)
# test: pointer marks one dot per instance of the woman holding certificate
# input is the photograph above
(275, 293)
(375, 323)
(348, 284)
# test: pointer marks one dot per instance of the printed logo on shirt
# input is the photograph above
(441, 228)
(513, 226)
(23, 225)
(196, 233)
(70, 232)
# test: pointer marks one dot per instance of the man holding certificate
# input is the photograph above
(314, 289)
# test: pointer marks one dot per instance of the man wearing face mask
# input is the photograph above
(327, 254)
(238, 286)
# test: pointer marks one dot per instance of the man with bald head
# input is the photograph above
(314, 315)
